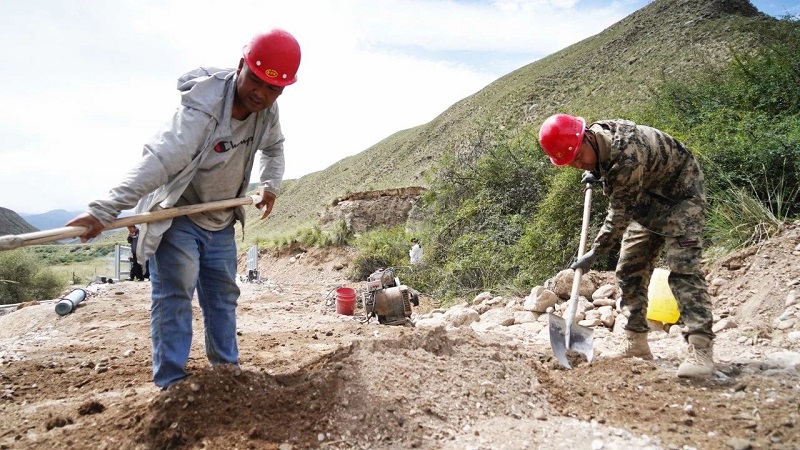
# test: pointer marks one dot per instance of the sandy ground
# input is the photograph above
(311, 378)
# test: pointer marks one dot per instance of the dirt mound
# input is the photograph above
(753, 284)
(248, 406)
(366, 394)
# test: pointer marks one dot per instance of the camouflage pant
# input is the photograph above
(640, 251)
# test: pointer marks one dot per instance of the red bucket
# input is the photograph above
(345, 300)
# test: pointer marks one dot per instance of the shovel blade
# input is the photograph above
(569, 337)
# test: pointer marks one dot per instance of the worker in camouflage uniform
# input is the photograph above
(656, 200)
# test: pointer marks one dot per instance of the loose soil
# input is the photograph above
(311, 378)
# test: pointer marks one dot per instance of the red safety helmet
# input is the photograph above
(274, 56)
(560, 137)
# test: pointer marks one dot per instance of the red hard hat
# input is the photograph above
(560, 137)
(274, 56)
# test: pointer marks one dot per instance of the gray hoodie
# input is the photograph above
(172, 157)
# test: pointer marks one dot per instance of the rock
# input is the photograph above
(524, 317)
(605, 291)
(791, 298)
(723, 324)
(431, 322)
(494, 301)
(562, 284)
(607, 317)
(590, 323)
(543, 318)
(719, 282)
(606, 309)
(480, 298)
(592, 315)
(600, 302)
(499, 317)
(739, 444)
(533, 327)
(458, 316)
(539, 300)
(482, 308)
(783, 360)
(785, 324)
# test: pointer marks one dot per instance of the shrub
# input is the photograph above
(23, 277)
(479, 207)
(737, 218)
(377, 249)
(741, 120)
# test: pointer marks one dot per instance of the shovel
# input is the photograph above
(12, 241)
(565, 334)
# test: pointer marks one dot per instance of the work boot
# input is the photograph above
(699, 361)
(634, 345)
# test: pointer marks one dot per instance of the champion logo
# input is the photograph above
(224, 146)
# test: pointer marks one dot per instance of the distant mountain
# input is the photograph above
(12, 223)
(51, 219)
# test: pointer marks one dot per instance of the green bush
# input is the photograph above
(742, 120)
(377, 249)
(737, 218)
(478, 209)
(23, 277)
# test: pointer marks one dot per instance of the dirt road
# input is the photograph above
(310, 378)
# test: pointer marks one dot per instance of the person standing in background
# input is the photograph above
(137, 271)
(415, 254)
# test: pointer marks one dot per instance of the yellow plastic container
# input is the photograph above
(661, 305)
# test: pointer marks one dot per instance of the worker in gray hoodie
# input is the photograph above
(205, 153)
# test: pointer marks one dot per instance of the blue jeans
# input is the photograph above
(190, 258)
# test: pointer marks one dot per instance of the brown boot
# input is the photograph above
(634, 345)
(699, 362)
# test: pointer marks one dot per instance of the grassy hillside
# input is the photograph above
(601, 76)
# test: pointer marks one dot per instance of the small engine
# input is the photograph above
(387, 299)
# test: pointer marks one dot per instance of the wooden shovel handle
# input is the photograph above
(12, 241)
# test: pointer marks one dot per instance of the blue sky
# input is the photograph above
(86, 83)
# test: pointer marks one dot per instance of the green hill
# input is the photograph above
(601, 76)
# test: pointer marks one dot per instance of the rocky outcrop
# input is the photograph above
(362, 211)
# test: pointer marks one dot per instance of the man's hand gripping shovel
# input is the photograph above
(565, 334)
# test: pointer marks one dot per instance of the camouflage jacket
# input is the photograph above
(649, 177)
